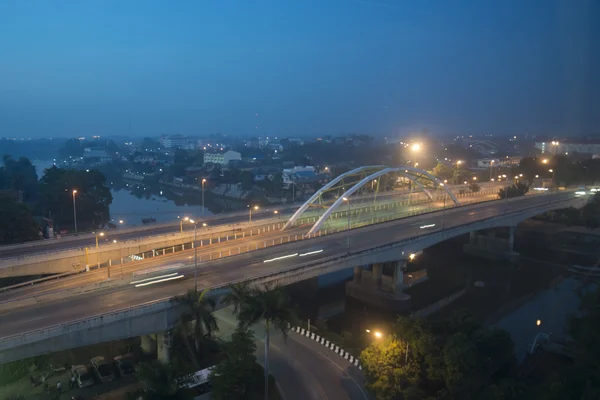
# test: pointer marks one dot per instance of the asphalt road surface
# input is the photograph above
(215, 221)
(248, 265)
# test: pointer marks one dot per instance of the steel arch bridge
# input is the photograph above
(350, 185)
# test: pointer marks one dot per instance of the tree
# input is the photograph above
(388, 369)
(93, 197)
(198, 311)
(236, 375)
(515, 190)
(474, 187)
(270, 305)
(16, 222)
(161, 381)
(443, 171)
(19, 175)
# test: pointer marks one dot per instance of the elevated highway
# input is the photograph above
(114, 312)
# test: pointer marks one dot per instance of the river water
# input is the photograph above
(132, 204)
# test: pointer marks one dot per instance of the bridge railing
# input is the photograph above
(161, 304)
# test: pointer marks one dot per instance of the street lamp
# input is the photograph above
(474, 178)
(97, 235)
(203, 182)
(250, 212)
(377, 334)
(347, 200)
(545, 161)
(491, 168)
(554, 146)
(121, 221)
(195, 257)
(181, 223)
(75, 211)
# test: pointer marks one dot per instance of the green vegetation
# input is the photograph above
(16, 222)
(93, 197)
(515, 190)
(270, 306)
(450, 359)
(198, 322)
(456, 358)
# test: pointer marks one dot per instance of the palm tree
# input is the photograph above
(270, 305)
(198, 308)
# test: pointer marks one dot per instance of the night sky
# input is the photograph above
(299, 67)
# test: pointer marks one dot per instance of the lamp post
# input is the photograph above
(97, 247)
(250, 212)
(97, 244)
(348, 201)
(203, 182)
(181, 224)
(491, 169)
(554, 146)
(195, 257)
(75, 211)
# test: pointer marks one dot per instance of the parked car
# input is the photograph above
(82, 376)
(102, 369)
(125, 365)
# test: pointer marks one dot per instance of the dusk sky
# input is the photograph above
(299, 67)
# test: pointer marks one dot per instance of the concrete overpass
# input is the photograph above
(122, 311)
(366, 208)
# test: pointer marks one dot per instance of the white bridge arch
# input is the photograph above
(328, 186)
(401, 170)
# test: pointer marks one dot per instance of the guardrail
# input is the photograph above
(166, 301)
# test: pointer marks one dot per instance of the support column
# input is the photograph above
(398, 278)
(357, 274)
(377, 274)
(163, 341)
(472, 237)
(148, 345)
(511, 238)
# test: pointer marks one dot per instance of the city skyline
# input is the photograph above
(269, 68)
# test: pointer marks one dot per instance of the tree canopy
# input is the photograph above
(238, 373)
(420, 359)
(16, 222)
(93, 197)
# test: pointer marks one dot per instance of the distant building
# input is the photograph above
(97, 155)
(222, 158)
(581, 146)
(177, 141)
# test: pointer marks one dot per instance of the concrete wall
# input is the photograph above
(76, 260)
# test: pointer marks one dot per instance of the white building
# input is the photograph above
(581, 146)
(222, 158)
(174, 141)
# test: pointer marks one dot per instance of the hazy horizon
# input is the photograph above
(83, 68)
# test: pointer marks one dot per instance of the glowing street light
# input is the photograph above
(250, 211)
(474, 178)
(181, 223)
(416, 147)
(545, 161)
(121, 221)
(98, 235)
(347, 200)
(75, 211)
(203, 182)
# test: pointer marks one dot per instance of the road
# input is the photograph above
(215, 222)
(304, 369)
(123, 272)
(248, 265)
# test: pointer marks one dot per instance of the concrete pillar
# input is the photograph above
(511, 238)
(357, 274)
(377, 274)
(163, 341)
(148, 345)
(473, 237)
(398, 278)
